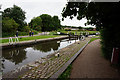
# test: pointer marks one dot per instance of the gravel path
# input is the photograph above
(91, 64)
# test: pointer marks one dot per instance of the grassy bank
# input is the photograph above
(30, 38)
(93, 39)
(66, 74)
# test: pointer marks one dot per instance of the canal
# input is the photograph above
(16, 57)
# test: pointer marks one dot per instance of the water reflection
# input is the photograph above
(14, 55)
(12, 58)
(45, 47)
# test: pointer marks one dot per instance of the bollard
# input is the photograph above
(115, 55)
(35, 41)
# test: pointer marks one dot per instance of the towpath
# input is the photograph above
(91, 64)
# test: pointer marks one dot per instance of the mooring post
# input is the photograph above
(35, 41)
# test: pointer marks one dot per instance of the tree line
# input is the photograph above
(45, 22)
(13, 19)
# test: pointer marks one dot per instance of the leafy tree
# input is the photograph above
(99, 14)
(15, 13)
(9, 25)
(46, 22)
(26, 29)
(56, 22)
(104, 15)
(36, 23)
(80, 27)
(89, 28)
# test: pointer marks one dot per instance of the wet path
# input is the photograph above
(91, 64)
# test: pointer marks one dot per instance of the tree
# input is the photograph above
(9, 25)
(46, 22)
(96, 13)
(36, 23)
(104, 15)
(56, 22)
(15, 13)
(80, 27)
(89, 28)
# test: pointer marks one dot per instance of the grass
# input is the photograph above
(93, 39)
(66, 74)
(30, 38)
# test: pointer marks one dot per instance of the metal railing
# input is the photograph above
(11, 40)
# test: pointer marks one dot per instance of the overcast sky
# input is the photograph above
(34, 8)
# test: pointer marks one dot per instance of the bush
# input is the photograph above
(19, 34)
(67, 29)
(7, 34)
(22, 33)
(26, 29)
(109, 40)
(106, 43)
(53, 33)
(9, 25)
(35, 32)
(71, 33)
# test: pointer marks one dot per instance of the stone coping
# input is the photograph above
(23, 43)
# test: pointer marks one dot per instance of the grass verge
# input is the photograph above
(93, 39)
(30, 38)
(66, 74)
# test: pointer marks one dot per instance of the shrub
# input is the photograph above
(67, 29)
(22, 33)
(71, 33)
(35, 32)
(26, 29)
(109, 40)
(6, 34)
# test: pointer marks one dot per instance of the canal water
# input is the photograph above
(16, 57)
